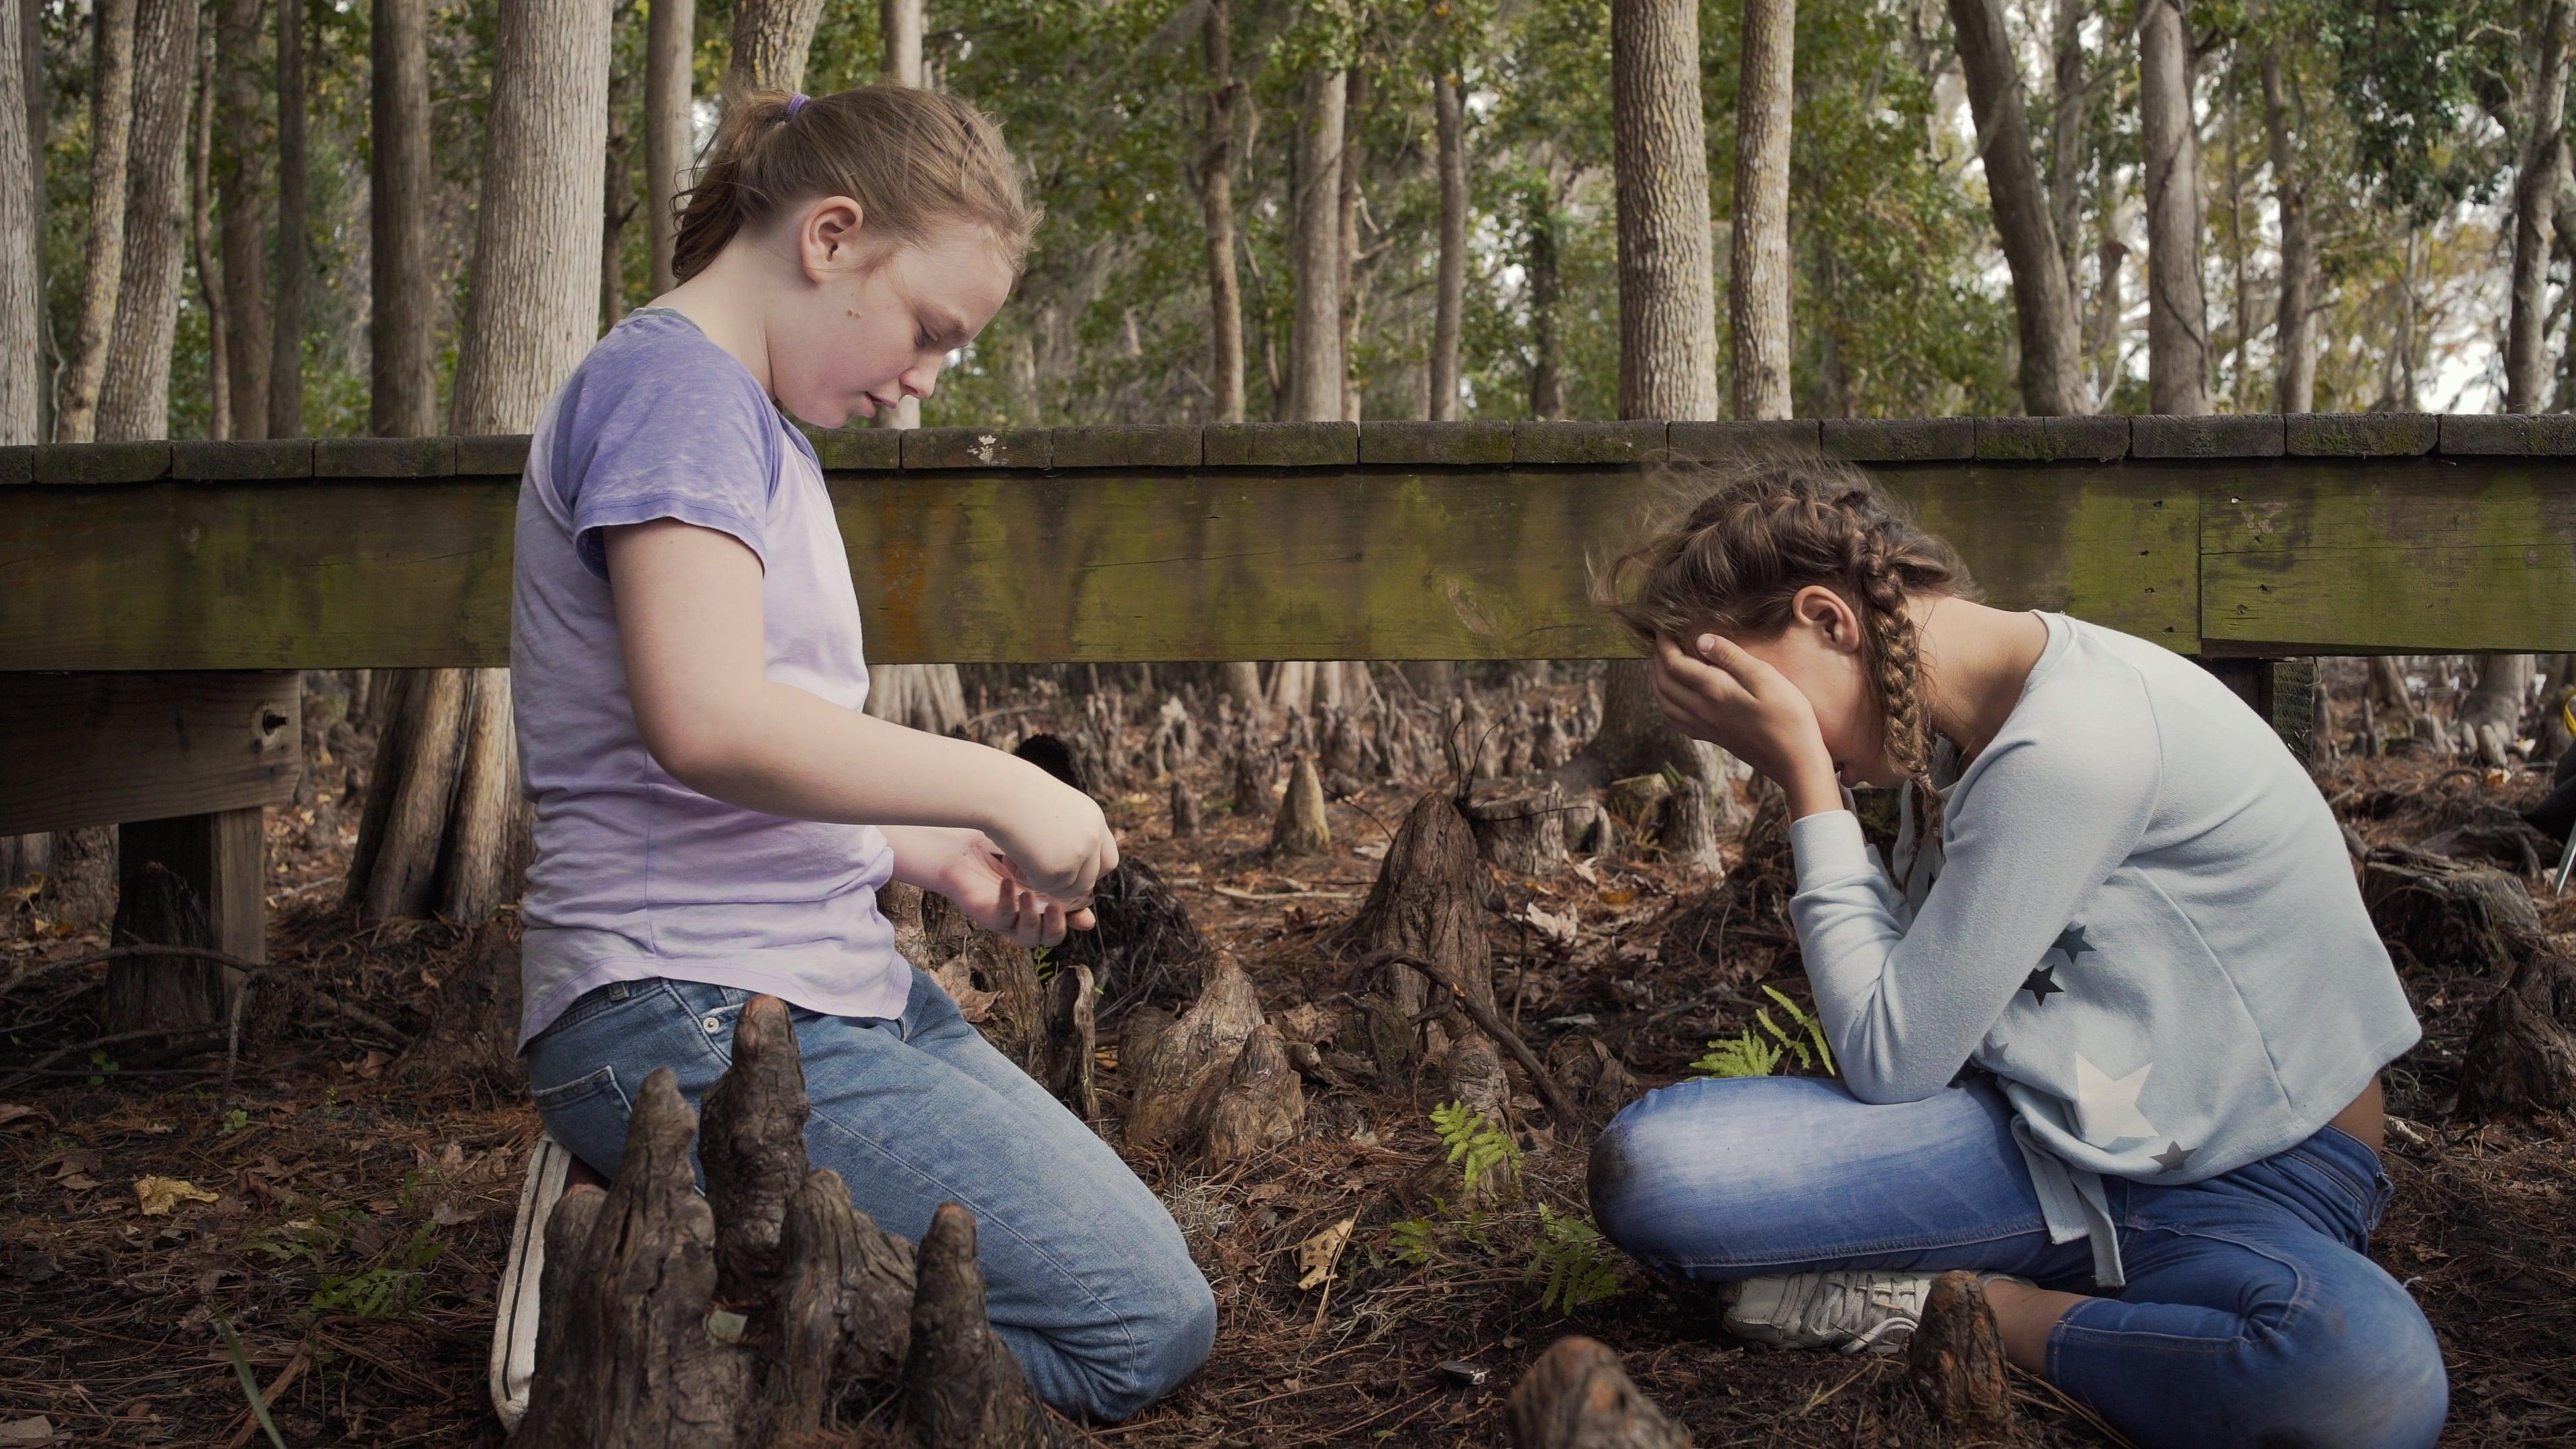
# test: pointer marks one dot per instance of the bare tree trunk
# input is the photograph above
(770, 38)
(1316, 366)
(617, 191)
(2535, 187)
(443, 822)
(2052, 366)
(1216, 193)
(2177, 317)
(244, 223)
(1757, 294)
(39, 109)
(1667, 285)
(2503, 689)
(403, 394)
(2294, 326)
(1546, 388)
(2102, 342)
(901, 22)
(294, 240)
(201, 228)
(111, 129)
(1346, 215)
(2388, 687)
(134, 396)
(670, 40)
(1449, 309)
(22, 299)
(2066, 134)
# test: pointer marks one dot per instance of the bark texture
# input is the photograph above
(2501, 693)
(1316, 365)
(111, 130)
(134, 397)
(239, 155)
(401, 329)
(286, 324)
(900, 23)
(201, 236)
(2052, 363)
(1428, 904)
(2177, 318)
(1449, 306)
(1757, 295)
(670, 38)
(770, 39)
(1577, 1397)
(1955, 1361)
(1216, 197)
(2535, 187)
(2294, 324)
(1667, 287)
(22, 300)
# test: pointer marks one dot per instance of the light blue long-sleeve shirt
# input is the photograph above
(2139, 916)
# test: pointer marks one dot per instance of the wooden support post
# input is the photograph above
(2282, 691)
(219, 856)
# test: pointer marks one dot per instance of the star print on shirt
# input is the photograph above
(2041, 984)
(2071, 941)
(2173, 1157)
(2106, 1108)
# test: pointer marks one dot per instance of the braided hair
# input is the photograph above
(1735, 563)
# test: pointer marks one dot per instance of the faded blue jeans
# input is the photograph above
(2250, 1316)
(1086, 1277)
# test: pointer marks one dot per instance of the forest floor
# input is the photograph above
(359, 1218)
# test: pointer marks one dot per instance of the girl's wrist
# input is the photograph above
(1813, 789)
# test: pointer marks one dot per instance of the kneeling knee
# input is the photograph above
(1167, 1340)
(2368, 1376)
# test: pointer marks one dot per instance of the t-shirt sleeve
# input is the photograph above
(665, 434)
(2049, 819)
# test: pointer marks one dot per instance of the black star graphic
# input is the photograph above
(2071, 940)
(2173, 1157)
(2041, 983)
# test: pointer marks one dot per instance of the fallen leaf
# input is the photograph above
(958, 980)
(34, 1429)
(161, 1194)
(1554, 927)
(1317, 1255)
(1618, 895)
(20, 1116)
(79, 1181)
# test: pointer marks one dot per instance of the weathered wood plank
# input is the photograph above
(99, 749)
(221, 855)
(2430, 556)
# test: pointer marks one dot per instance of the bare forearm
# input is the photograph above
(787, 752)
(924, 855)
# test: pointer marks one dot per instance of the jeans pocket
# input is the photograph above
(588, 1114)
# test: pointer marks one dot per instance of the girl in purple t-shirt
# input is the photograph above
(714, 813)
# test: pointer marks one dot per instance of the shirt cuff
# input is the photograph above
(1829, 848)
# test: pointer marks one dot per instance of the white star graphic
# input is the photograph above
(2106, 1110)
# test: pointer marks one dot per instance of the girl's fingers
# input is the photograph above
(1051, 927)
(1081, 919)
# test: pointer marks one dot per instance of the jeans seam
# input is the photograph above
(1855, 1250)
(2362, 1195)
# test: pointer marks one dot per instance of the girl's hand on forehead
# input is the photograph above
(1714, 691)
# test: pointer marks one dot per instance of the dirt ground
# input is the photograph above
(358, 1218)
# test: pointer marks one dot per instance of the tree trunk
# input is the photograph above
(201, 228)
(2501, 693)
(1316, 366)
(134, 396)
(39, 114)
(617, 189)
(401, 325)
(770, 38)
(111, 128)
(2535, 188)
(443, 819)
(1757, 295)
(244, 225)
(1667, 286)
(2066, 134)
(2177, 318)
(2052, 367)
(1575, 1396)
(1216, 195)
(2294, 327)
(1634, 738)
(900, 21)
(927, 697)
(1449, 308)
(1346, 217)
(1546, 387)
(22, 300)
(294, 258)
(670, 41)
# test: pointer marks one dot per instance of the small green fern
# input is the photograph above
(1483, 1150)
(1571, 1264)
(1751, 1055)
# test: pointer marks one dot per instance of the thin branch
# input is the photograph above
(1559, 1106)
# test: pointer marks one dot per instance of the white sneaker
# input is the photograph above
(1853, 1310)
(514, 1323)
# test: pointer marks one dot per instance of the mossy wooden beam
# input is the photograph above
(1324, 540)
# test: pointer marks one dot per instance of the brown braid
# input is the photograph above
(1736, 562)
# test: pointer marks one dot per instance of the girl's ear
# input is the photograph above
(1820, 608)
(829, 239)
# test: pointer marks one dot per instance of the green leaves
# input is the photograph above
(1759, 1054)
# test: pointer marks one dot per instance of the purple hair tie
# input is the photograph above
(797, 102)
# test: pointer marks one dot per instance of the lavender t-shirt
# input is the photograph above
(636, 874)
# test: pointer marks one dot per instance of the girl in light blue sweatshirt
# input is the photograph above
(2110, 1029)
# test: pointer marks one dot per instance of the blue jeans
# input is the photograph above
(2250, 1316)
(1086, 1277)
